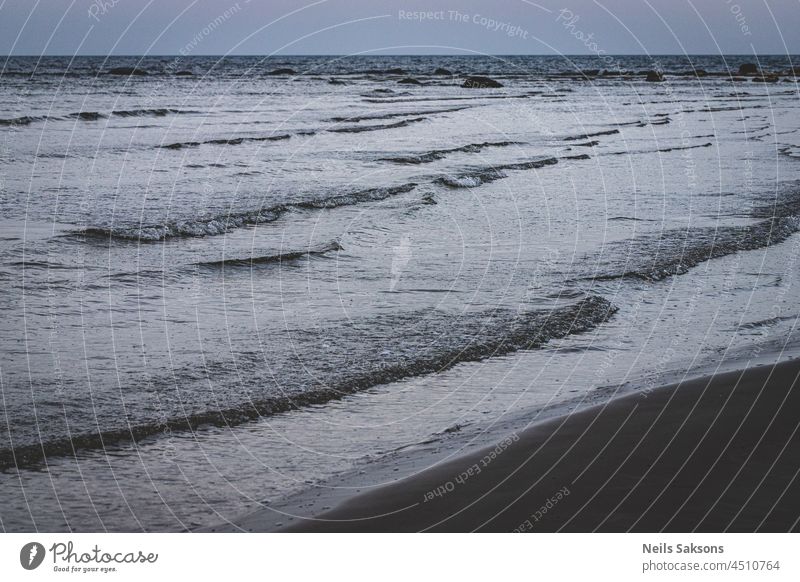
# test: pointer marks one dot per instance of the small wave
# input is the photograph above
(46, 265)
(470, 181)
(159, 112)
(86, 116)
(225, 141)
(660, 119)
(221, 224)
(785, 203)
(92, 116)
(198, 166)
(379, 116)
(637, 123)
(709, 109)
(589, 135)
(278, 258)
(661, 150)
(24, 120)
(771, 322)
(674, 252)
(363, 128)
(629, 218)
(434, 155)
(390, 100)
(486, 175)
(790, 151)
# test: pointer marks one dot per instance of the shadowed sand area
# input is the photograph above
(720, 453)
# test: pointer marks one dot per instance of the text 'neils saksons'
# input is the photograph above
(663, 548)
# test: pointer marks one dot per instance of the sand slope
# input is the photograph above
(714, 454)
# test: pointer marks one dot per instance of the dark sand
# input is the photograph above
(714, 454)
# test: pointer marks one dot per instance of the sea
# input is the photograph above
(225, 280)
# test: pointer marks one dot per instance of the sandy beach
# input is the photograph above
(720, 453)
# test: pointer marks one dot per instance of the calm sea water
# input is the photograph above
(225, 280)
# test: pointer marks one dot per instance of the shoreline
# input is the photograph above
(714, 453)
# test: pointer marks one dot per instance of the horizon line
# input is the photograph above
(140, 55)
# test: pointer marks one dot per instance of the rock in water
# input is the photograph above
(441, 71)
(127, 71)
(654, 77)
(748, 69)
(481, 83)
(277, 72)
(409, 81)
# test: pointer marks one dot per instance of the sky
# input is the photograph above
(296, 27)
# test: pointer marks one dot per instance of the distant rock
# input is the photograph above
(127, 71)
(88, 115)
(441, 71)
(184, 74)
(654, 77)
(748, 69)
(591, 72)
(395, 71)
(409, 81)
(481, 83)
(333, 81)
(279, 72)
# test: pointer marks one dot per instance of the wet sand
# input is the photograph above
(720, 453)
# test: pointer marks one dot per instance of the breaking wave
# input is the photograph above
(84, 116)
(278, 258)
(379, 116)
(24, 120)
(363, 128)
(434, 155)
(160, 112)
(93, 115)
(485, 175)
(674, 252)
(225, 141)
(589, 135)
(222, 224)
(660, 150)
(400, 346)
